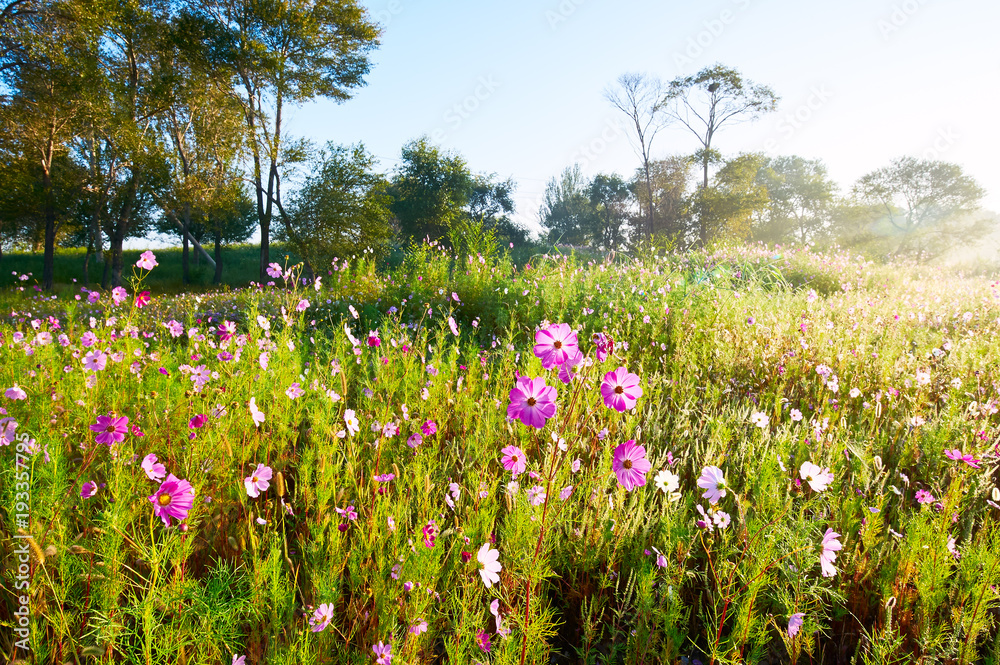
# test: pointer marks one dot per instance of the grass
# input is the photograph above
(750, 361)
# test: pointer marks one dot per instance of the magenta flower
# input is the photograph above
(830, 548)
(257, 481)
(321, 618)
(142, 299)
(483, 640)
(630, 465)
(154, 470)
(383, 653)
(957, 455)
(110, 430)
(620, 390)
(556, 344)
(414, 440)
(605, 346)
(89, 489)
(226, 330)
(173, 500)
(923, 496)
(532, 402)
(514, 460)
(795, 623)
(15, 393)
(119, 295)
(198, 421)
(429, 427)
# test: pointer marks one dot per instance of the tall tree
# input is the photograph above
(729, 207)
(640, 97)
(283, 52)
(710, 99)
(612, 201)
(566, 212)
(929, 206)
(671, 203)
(430, 190)
(48, 62)
(801, 196)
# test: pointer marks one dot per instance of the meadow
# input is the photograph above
(743, 455)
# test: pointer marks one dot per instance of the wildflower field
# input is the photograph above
(745, 456)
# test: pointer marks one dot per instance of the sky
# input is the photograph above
(516, 87)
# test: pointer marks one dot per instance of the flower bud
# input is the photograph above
(279, 483)
(996, 494)
(877, 462)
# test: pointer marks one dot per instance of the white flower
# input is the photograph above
(818, 478)
(490, 572)
(759, 418)
(666, 481)
(796, 415)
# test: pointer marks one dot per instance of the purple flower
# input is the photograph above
(830, 548)
(383, 653)
(110, 430)
(322, 617)
(532, 402)
(15, 393)
(794, 624)
(89, 489)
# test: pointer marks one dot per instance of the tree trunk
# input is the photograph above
(48, 265)
(106, 273)
(86, 264)
(218, 257)
(185, 266)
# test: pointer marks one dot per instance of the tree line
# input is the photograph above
(913, 208)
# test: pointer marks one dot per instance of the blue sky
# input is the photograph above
(516, 87)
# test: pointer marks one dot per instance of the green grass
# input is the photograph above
(721, 341)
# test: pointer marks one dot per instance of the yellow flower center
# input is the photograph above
(163, 500)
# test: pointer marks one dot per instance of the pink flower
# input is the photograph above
(257, 481)
(15, 393)
(605, 346)
(154, 470)
(383, 653)
(302, 305)
(818, 478)
(323, 615)
(536, 495)
(95, 361)
(110, 430)
(414, 440)
(453, 326)
(556, 344)
(630, 465)
(173, 500)
(226, 330)
(794, 624)
(255, 413)
(239, 660)
(514, 460)
(88, 490)
(714, 484)
(274, 271)
(119, 295)
(142, 299)
(620, 390)
(419, 627)
(147, 261)
(294, 391)
(923, 496)
(830, 548)
(198, 421)
(429, 427)
(532, 402)
(957, 455)
(489, 558)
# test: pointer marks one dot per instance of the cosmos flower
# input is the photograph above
(666, 481)
(532, 402)
(353, 425)
(956, 455)
(273, 270)
(555, 345)
(95, 361)
(489, 558)
(88, 489)
(453, 326)
(119, 295)
(923, 496)
(323, 614)
(483, 641)
(795, 623)
(819, 479)
(173, 500)
(15, 393)
(830, 548)
(147, 261)
(198, 421)
(110, 430)
(536, 495)
(383, 653)
(154, 470)
(239, 660)
(294, 390)
(630, 465)
(255, 413)
(759, 419)
(514, 460)
(714, 484)
(419, 627)
(142, 299)
(258, 481)
(620, 390)
(429, 428)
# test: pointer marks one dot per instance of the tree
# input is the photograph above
(431, 189)
(285, 52)
(611, 202)
(801, 196)
(342, 208)
(671, 204)
(706, 101)
(48, 60)
(492, 203)
(928, 206)
(728, 208)
(640, 97)
(566, 211)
